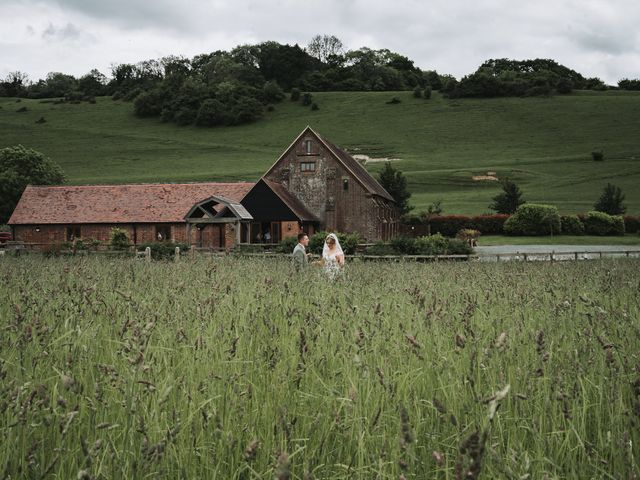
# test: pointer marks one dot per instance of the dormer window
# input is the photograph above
(307, 147)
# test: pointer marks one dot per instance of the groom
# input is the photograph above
(300, 260)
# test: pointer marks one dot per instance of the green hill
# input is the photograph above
(544, 144)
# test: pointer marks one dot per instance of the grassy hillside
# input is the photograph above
(542, 143)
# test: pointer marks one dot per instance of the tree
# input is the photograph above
(19, 167)
(395, 183)
(324, 47)
(610, 201)
(509, 199)
(433, 210)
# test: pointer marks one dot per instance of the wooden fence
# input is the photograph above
(551, 256)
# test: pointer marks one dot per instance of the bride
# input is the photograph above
(332, 255)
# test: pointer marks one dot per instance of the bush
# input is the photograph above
(404, 245)
(164, 250)
(394, 101)
(599, 223)
(571, 225)
(417, 92)
(380, 249)
(272, 92)
(597, 155)
(119, 239)
(348, 242)
(287, 245)
(307, 99)
(449, 225)
(314, 106)
(631, 224)
(148, 104)
(295, 94)
(427, 93)
(489, 224)
(211, 113)
(532, 219)
(457, 246)
(431, 245)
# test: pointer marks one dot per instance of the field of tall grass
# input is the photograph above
(240, 369)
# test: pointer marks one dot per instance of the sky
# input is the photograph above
(597, 38)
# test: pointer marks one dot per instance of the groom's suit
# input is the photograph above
(300, 260)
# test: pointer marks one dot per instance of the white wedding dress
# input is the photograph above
(330, 257)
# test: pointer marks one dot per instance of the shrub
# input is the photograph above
(427, 92)
(611, 201)
(348, 242)
(272, 92)
(404, 245)
(532, 219)
(571, 225)
(148, 104)
(599, 223)
(164, 250)
(431, 245)
(489, 224)
(449, 225)
(597, 155)
(457, 246)
(631, 224)
(211, 113)
(394, 101)
(380, 248)
(119, 239)
(295, 94)
(468, 235)
(287, 245)
(417, 92)
(314, 106)
(307, 99)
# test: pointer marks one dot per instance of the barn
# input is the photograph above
(314, 185)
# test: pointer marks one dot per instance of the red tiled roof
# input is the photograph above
(151, 203)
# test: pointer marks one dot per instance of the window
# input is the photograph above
(73, 233)
(307, 147)
(163, 232)
(308, 167)
(345, 184)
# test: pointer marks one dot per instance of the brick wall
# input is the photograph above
(323, 192)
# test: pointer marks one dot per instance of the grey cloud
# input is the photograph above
(66, 32)
(595, 37)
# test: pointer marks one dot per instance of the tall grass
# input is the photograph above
(240, 369)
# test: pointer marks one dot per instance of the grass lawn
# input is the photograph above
(630, 239)
(544, 144)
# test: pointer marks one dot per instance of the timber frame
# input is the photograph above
(217, 210)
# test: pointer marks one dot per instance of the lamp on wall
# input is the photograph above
(37, 229)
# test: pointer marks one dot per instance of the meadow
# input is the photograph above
(232, 368)
(544, 144)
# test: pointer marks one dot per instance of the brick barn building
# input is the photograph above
(314, 185)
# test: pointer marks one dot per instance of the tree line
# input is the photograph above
(236, 86)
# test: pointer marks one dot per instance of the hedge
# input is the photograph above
(631, 224)
(571, 225)
(450, 225)
(599, 223)
(532, 219)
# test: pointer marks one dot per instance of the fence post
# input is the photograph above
(177, 253)
(525, 256)
(600, 253)
(552, 252)
(576, 255)
(192, 251)
(147, 254)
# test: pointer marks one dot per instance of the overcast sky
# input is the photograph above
(595, 37)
